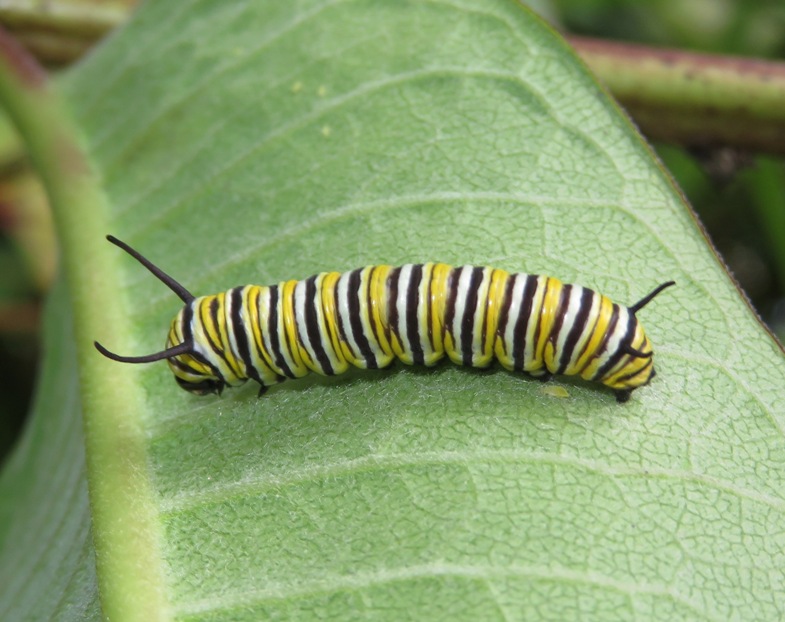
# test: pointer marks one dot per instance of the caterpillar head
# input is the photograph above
(192, 370)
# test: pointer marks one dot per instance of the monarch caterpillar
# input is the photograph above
(417, 313)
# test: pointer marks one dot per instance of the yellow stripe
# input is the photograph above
(326, 294)
(211, 334)
(588, 364)
(631, 366)
(173, 338)
(501, 349)
(396, 344)
(599, 320)
(290, 339)
(346, 349)
(236, 364)
(376, 316)
(586, 332)
(176, 337)
(251, 298)
(439, 276)
(422, 317)
(550, 307)
(493, 310)
(639, 340)
(205, 332)
(479, 359)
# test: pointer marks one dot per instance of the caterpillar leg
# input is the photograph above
(622, 395)
(542, 375)
(262, 390)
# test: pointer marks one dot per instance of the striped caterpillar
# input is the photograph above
(417, 313)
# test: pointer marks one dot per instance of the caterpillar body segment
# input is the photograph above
(415, 313)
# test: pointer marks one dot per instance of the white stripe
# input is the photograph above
(304, 304)
(342, 302)
(404, 278)
(529, 362)
(286, 354)
(464, 280)
(202, 343)
(586, 331)
(573, 308)
(228, 313)
(429, 354)
(515, 309)
(382, 359)
(614, 341)
(300, 300)
(263, 309)
(478, 335)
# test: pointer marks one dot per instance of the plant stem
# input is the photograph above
(695, 100)
(124, 515)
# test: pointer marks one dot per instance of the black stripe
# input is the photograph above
(467, 321)
(504, 311)
(260, 347)
(287, 338)
(619, 353)
(344, 337)
(578, 327)
(185, 324)
(312, 326)
(649, 363)
(522, 324)
(201, 359)
(449, 307)
(486, 313)
(355, 320)
(181, 366)
(591, 331)
(213, 314)
(185, 327)
(429, 308)
(561, 311)
(275, 338)
(608, 332)
(188, 335)
(538, 313)
(331, 330)
(240, 335)
(369, 304)
(412, 307)
(224, 352)
(392, 301)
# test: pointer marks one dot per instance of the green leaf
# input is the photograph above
(256, 142)
(47, 560)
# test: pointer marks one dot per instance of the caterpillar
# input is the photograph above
(416, 313)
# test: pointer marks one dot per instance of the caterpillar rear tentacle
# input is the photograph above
(416, 313)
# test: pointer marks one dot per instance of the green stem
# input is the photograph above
(694, 99)
(124, 514)
(59, 32)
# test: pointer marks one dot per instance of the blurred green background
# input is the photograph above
(739, 197)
